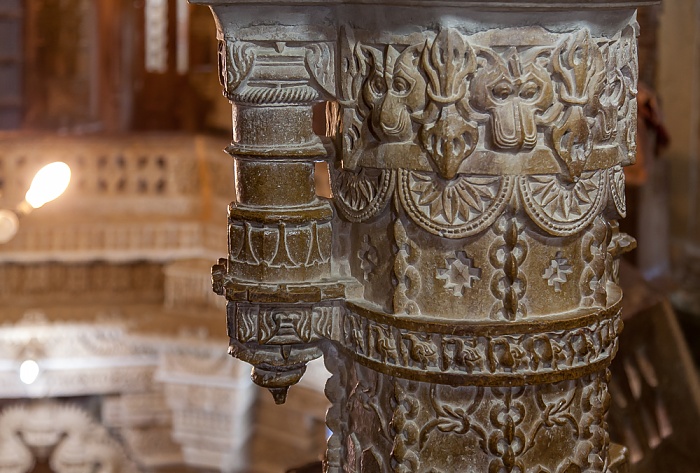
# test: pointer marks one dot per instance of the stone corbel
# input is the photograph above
(277, 279)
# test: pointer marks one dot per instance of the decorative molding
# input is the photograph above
(506, 354)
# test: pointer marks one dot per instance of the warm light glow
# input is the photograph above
(28, 371)
(48, 184)
(9, 224)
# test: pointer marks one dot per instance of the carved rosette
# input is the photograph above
(465, 290)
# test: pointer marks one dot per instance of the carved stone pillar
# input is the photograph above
(465, 293)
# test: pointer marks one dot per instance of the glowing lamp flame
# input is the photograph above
(49, 183)
(28, 371)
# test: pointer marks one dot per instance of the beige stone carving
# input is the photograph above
(63, 434)
(465, 295)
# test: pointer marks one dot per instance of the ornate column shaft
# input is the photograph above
(278, 272)
(470, 308)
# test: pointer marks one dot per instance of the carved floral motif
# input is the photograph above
(461, 207)
(361, 195)
(560, 207)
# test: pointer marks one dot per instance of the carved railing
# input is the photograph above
(132, 197)
(465, 294)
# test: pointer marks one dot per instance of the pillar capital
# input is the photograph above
(465, 290)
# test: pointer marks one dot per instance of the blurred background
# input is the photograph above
(112, 345)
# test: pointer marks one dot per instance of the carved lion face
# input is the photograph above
(512, 94)
(394, 91)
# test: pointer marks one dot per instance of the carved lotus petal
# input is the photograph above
(457, 208)
(616, 177)
(563, 208)
(361, 195)
(236, 60)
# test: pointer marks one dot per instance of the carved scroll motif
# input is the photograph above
(235, 62)
(242, 65)
(497, 429)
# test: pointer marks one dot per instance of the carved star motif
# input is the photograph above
(556, 273)
(459, 273)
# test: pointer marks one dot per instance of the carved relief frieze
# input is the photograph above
(458, 116)
(64, 435)
(516, 355)
(284, 325)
